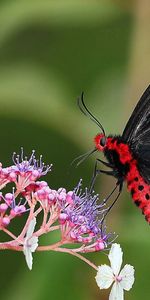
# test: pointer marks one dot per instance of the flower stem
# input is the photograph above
(45, 231)
(69, 251)
(31, 215)
(50, 247)
(10, 246)
(9, 233)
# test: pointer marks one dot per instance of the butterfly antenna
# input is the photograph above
(78, 160)
(87, 113)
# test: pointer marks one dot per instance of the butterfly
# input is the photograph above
(127, 155)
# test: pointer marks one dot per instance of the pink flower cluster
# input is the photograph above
(75, 214)
(23, 174)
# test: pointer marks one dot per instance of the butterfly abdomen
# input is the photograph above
(139, 189)
(120, 155)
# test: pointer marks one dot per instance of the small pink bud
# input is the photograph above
(18, 210)
(62, 190)
(63, 218)
(62, 196)
(41, 194)
(34, 174)
(70, 193)
(9, 198)
(73, 235)
(3, 207)
(5, 221)
(69, 199)
(51, 197)
(54, 192)
(100, 246)
(12, 176)
(42, 183)
(47, 189)
(12, 213)
(5, 172)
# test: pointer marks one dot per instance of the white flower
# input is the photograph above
(30, 243)
(107, 275)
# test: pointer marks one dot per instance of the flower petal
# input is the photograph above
(30, 243)
(31, 228)
(115, 257)
(127, 275)
(104, 277)
(116, 292)
(34, 243)
(28, 257)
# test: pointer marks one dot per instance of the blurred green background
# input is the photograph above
(51, 51)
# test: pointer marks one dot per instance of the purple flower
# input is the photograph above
(81, 218)
(23, 174)
(27, 170)
(30, 165)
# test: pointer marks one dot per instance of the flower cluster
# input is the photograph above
(75, 214)
(23, 174)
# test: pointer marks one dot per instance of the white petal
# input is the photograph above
(104, 277)
(31, 228)
(115, 257)
(127, 275)
(28, 257)
(116, 292)
(34, 243)
(30, 243)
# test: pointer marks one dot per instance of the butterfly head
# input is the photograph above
(100, 142)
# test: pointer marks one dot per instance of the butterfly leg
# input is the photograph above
(98, 171)
(110, 173)
(104, 163)
(110, 207)
(93, 178)
(120, 185)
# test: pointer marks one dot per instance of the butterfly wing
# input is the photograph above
(137, 134)
(137, 119)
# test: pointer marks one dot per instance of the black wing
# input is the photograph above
(137, 134)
